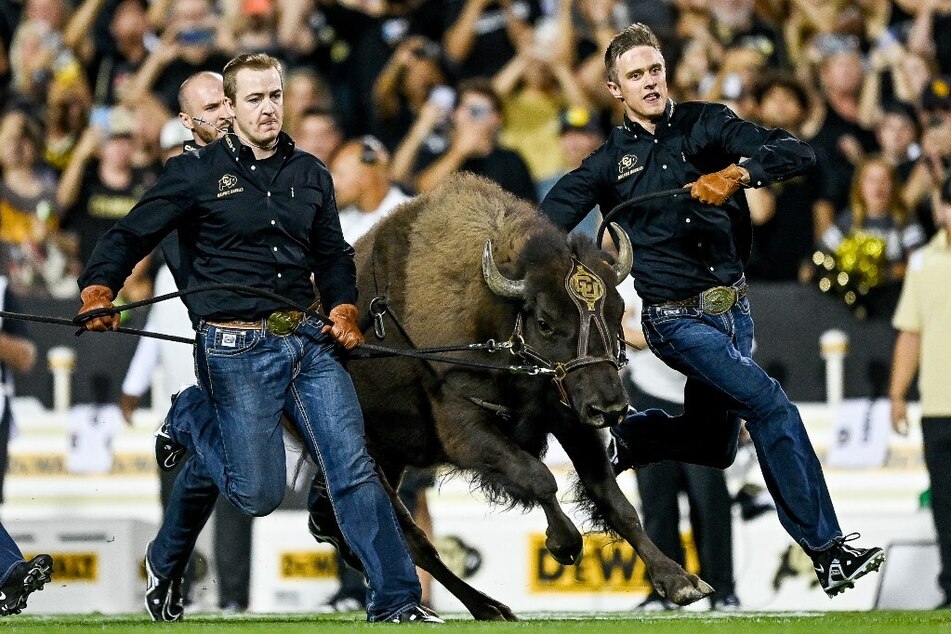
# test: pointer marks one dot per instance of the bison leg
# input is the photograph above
(587, 452)
(425, 555)
(471, 444)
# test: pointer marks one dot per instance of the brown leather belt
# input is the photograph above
(713, 301)
(280, 322)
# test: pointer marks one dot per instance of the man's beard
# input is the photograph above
(207, 133)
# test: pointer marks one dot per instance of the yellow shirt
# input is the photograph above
(531, 129)
(925, 308)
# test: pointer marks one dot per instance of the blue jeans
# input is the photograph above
(724, 382)
(10, 555)
(232, 427)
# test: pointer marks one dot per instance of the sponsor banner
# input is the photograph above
(307, 564)
(607, 564)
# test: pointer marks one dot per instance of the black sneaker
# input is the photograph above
(168, 453)
(25, 578)
(416, 614)
(839, 566)
(163, 597)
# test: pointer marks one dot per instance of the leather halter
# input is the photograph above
(586, 290)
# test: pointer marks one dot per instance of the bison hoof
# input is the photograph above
(689, 594)
(566, 555)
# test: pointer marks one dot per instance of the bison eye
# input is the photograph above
(543, 327)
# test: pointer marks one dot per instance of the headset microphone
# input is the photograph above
(208, 123)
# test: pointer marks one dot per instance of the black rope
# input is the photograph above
(635, 201)
(430, 354)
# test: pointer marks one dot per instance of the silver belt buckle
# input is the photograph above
(717, 300)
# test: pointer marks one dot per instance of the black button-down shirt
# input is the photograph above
(681, 246)
(237, 225)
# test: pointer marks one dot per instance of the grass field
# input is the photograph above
(605, 623)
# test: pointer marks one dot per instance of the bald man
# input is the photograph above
(201, 98)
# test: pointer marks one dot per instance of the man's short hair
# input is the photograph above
(480, 86)
(787, 83)
(637, 34)
(248, 61)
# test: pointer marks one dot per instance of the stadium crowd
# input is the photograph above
(511, 89)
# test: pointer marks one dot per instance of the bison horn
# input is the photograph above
(499, 284)
(625, 254)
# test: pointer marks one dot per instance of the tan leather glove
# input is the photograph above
(716, 188)
(344, 329)
(98, 296)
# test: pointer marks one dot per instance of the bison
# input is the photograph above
(469, 262)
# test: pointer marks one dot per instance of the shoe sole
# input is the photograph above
(39, 574)
(871, 565)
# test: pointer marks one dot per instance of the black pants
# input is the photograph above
(232, 544)
(659, 485)
(936, 432)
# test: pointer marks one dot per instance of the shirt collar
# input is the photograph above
(632, 126)
(285, 146)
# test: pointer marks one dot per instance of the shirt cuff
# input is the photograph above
(758, 176)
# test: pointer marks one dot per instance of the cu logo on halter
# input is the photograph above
(586, 286)
(227, 182)
(626, 163)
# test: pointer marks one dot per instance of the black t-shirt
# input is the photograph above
(108, 73)
(99, 206)
(840, 170)
(492, 48)
(502, 166)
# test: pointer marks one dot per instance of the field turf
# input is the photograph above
(604, 623)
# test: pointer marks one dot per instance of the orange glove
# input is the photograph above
(344, 329)
(98, 296)
(716, 188)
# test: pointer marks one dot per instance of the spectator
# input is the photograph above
(110, 69)
(534, 87)
(841, 137)
(100, 185)
(580, 134)
(320, 133)
(935, 159)
(362, 185)
(68, 105)
(786, 215)
(924, 342)
(403, 86)
(37, 57)
(474, 145)
(191, 42)
(28, 211)
(304, 90)
(484, 34)
(873, 237)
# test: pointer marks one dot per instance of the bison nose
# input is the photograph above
(606, 416)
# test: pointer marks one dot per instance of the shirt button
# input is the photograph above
(687, 220)
(699, 244)
(253, 167)
(275, 248)
(269, 194)
(711, 269)
(664, 166)
(655, 140)
(273, 222)
(759, 183)
(279, 275)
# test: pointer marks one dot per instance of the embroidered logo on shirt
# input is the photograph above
(226, 185)
(626, 166)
